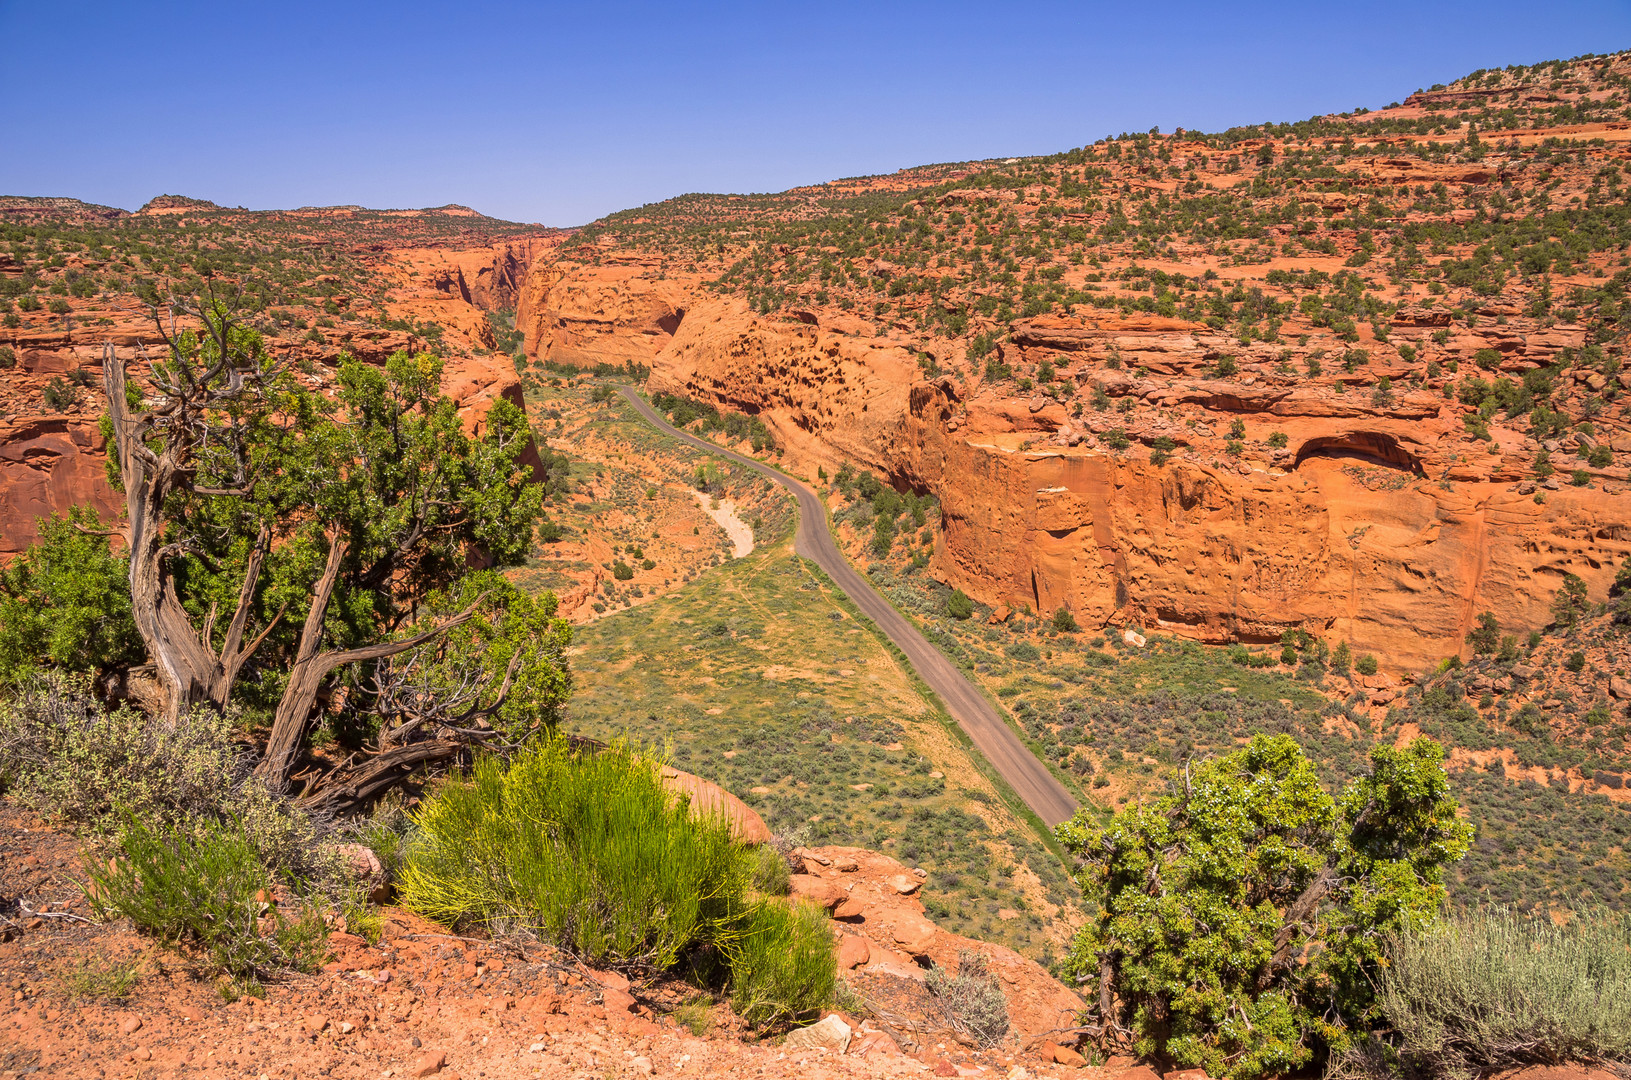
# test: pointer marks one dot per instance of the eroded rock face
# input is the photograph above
(615, 314)
(829, 397)
(1213, 555)
(48, 465)
(1378, 522)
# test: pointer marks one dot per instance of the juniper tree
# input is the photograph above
(304, 535)
(1240, 918)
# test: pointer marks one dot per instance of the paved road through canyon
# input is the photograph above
(993, 738)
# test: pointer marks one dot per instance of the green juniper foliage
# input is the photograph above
(1240, 919)
(65, 603)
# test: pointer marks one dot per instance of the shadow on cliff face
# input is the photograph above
(1371, 447)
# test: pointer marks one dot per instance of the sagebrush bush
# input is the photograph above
(1490, 990)
(65, 756)
(200, 889)
(589, 851)
(973, 999)
(781, 963)
(771, 874)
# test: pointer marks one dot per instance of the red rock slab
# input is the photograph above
(711, 799)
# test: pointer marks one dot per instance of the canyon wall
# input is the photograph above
(52, 459)
(1399, 567)
(618, 313)
(1378, 522)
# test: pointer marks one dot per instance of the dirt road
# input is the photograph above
(993, 738)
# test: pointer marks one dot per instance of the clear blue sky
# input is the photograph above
(558, 113)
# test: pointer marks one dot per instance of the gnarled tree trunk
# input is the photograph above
(311, 667)
(187, 671)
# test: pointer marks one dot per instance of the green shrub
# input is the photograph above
(59, 394)
(65, 603)
(781, 963)
(958, 605)
(1485, 634)
(592, 853)
(1250, 894)
(622, 571)
(102, 978)
(1365, 665)
(972, 999)
(67, 758)
(1489, 990)
(696, 1015)
(199, 890)
(589, 851)
(72, 761)
(771, 874)
(1570, 603)
(1064, 621)
(1576, 661)
(8, 356)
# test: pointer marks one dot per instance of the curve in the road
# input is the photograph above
(1028, 777)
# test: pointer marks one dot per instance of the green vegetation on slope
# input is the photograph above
(761, 677)
(592, 853)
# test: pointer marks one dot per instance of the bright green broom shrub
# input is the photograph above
(781, 963)
(589, 851)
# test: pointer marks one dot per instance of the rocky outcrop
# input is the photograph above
(489, 279)
(881, 930)
(707, 799)
(1379, 522)
(1347, 540)
(620, 313)
(828, 397)
(48, 465)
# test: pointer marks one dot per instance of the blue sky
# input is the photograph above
(558, 113)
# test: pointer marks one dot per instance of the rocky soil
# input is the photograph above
(421, 1001)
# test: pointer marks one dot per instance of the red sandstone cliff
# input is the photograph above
(1380, 524)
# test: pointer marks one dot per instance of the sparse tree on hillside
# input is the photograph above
(1485, 637)
(1570, 604)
